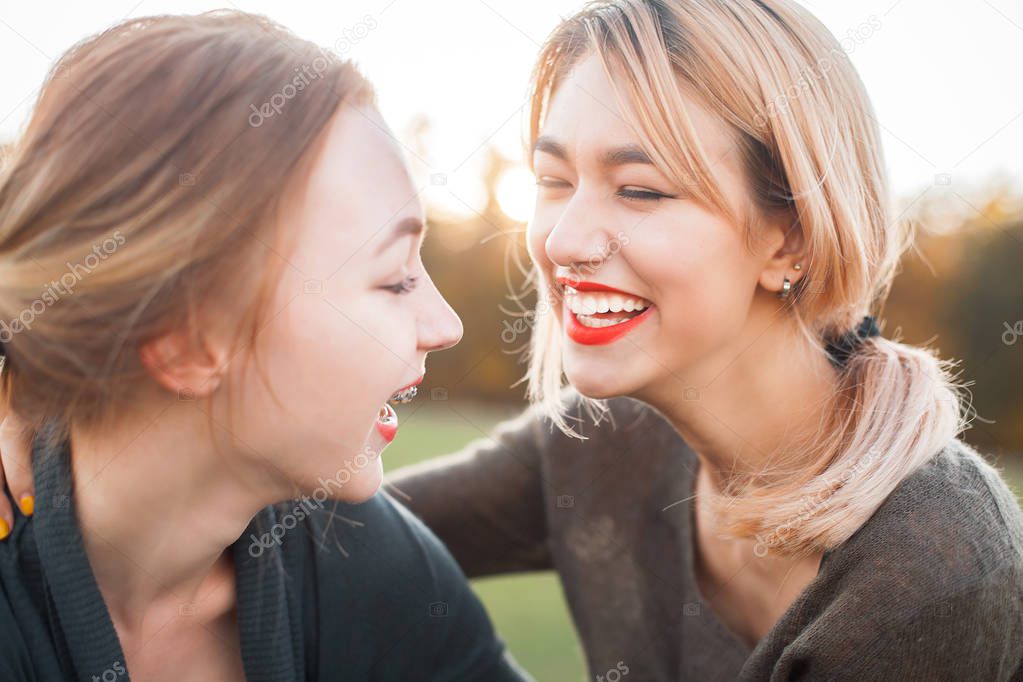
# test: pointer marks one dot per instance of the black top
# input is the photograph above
(321, 588)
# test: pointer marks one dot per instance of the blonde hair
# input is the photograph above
(144, 193)
(810, 145)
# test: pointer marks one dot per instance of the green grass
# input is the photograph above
(529, 609)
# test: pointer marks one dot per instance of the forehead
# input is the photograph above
(585, 115)
(359, 187)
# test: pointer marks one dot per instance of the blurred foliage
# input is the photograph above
(479, 264)
(961, 292)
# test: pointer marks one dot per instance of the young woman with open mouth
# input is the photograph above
(777, 491)
(780, 491)
(205, 313)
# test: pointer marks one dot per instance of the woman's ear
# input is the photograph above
(183, 364)
(784, 249)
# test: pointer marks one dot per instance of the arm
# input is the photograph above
(486, 502)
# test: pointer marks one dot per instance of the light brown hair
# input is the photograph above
(143, 195)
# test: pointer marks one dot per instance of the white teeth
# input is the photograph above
(590, 304)
(588, 321)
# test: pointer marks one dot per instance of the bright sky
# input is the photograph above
(943, 74)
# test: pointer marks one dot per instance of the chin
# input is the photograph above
(596, 380)
(361, 487)
(355, 480)
(601, 379)
(361, 492)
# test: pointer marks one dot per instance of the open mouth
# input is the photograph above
(596, 314)
(597, 311)
(407, 393)
(387, 418)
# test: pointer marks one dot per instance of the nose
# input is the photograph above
(439, 326)
(578, 240)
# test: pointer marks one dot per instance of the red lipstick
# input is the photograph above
(387, 423)
(600, 336)
(597, 336)
(581, 285)
(414, 383)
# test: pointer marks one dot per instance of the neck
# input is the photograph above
(158, 506)
(758, 399)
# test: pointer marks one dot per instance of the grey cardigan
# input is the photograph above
(929, 588)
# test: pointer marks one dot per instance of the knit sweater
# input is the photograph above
(930, 587)
(325, 591)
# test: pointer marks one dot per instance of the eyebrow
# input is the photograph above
(410, 226)
(619, 156)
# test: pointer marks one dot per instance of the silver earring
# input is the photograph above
(786, 287)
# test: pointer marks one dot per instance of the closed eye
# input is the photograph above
(403, 287)
(643, 194)
(547, 181)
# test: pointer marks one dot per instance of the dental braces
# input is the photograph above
(404, 396)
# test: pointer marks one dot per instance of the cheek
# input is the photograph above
(700, 276)
(332, 361)
(354, 351)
